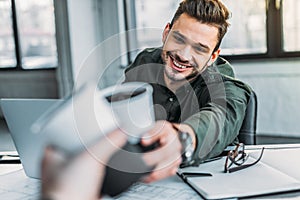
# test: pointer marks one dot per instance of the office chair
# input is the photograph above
(247, 134)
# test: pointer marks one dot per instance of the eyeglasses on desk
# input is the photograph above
(236, 159)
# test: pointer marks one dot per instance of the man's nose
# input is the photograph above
(186, 54)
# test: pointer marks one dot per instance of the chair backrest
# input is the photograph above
(247, 134)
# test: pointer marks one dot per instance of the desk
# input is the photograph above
(15, 185)
(276, 172)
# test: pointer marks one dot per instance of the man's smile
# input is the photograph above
(178, 65)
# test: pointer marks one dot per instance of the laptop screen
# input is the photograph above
(20, 115)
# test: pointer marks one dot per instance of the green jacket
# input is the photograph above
(213, 104)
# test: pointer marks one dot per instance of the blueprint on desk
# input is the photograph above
(168, 189)
(17, 186)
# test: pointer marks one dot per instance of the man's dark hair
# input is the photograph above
(212, 12)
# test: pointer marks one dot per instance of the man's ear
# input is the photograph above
(166, 32)
(214, 57)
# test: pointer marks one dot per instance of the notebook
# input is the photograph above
(20, 114)
(276, 172)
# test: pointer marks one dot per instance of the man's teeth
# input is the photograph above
(179, 65)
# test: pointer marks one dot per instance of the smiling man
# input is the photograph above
(195, 93)
(188, 49)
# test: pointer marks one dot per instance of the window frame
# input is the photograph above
(274, 37)
(274, 34)
(61, 78)
(18, 54)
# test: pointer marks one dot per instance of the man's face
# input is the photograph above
(188, 48)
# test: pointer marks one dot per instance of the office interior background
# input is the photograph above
(43, 45)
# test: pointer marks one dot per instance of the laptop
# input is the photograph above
(20, 114)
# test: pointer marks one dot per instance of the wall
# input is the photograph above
(83, 30)
(24, 84)
(94, 46)
(277, 86)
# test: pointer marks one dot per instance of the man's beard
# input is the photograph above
(175, 75)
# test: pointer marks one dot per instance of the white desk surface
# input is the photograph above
(171, 188)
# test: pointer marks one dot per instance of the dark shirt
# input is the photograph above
(213, 104)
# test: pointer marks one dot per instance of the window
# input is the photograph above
(247, 33)
(7, 45)
(146, 19)
(291, 25)
(27, 34)
(261, 29)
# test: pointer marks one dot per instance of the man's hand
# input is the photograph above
(167, 157)
(186, 128)
(82, 176)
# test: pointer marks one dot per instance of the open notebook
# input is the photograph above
(277, 171)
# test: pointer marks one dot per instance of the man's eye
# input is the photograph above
(199, 49)
(179, 39)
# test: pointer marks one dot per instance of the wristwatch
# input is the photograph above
(187, 148)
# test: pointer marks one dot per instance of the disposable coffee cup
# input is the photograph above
(132, 104)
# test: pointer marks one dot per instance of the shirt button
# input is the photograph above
(171, 99)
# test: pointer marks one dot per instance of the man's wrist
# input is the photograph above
(188, 146)
(187, 128)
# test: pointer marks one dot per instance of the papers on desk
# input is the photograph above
(278, 171)
(167, 189)
(16, 185)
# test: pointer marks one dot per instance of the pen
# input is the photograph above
(195, 174)
(185, 175)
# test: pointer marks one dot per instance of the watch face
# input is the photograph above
(188, 153)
